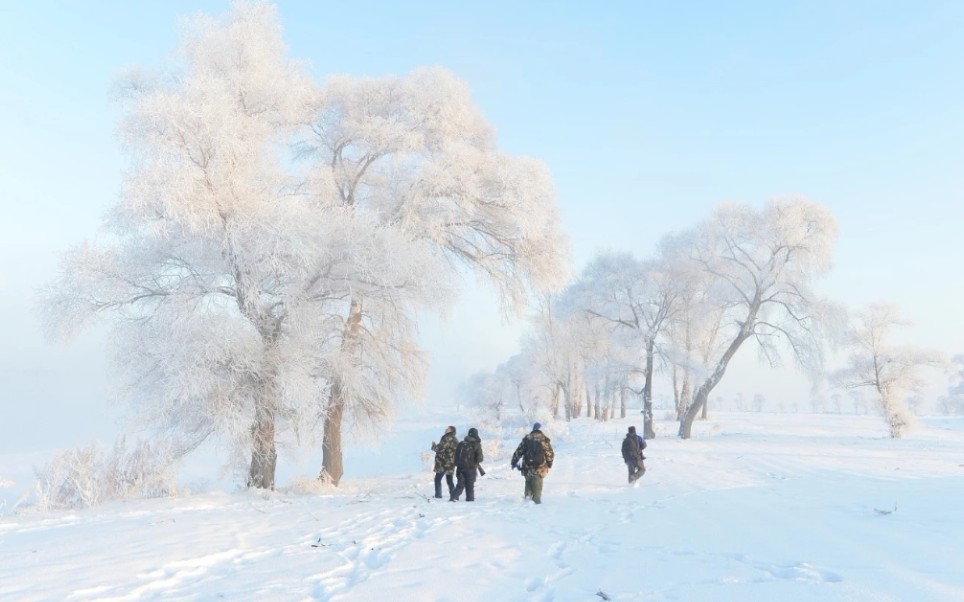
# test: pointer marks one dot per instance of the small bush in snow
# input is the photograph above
(86, 476)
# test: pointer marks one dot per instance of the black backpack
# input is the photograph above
(631, 449)
(467, 458)
(535, 453)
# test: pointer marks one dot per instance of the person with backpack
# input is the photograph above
(534, 458)
(468, 456)
(633, 446)
(445, 460)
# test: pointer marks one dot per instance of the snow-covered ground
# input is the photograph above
(755, 507)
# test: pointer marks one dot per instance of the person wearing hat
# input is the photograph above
(633, 446)
(468, 456)
(445, 460)
(534, 458)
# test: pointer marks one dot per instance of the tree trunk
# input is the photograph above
(332, 463)
(897, 417)
(264, 455)
(332, 459)
(648, 431)
(567, 402)
(703, 393)
(576, 399)
(577, 396)
(622, 401)
(686, 424)
(685, 396)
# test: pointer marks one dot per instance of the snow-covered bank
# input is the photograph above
(756, 507)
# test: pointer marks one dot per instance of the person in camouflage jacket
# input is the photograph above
(445, 460)
(536, 456)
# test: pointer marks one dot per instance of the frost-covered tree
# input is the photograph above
(758, 266)
(634, 301)
(888, 372)
(224, 275)
(414, 156)
(511, 396)
(561, 363)
(489, 393)
(553, 345)
(693, 333)
(253, 293)
(608, 365)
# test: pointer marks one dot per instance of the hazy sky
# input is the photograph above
(647, 113)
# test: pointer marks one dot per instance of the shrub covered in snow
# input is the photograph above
(86, 476)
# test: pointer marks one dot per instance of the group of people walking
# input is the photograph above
(533, 458)
(464, 458)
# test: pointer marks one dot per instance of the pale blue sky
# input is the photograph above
(647, 113)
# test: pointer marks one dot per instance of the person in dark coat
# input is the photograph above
(534, 457)
(633, 446)
(468, 456)
(445, 460)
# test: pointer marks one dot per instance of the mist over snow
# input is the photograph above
(756, 506)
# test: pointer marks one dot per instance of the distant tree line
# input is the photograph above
(741, 278)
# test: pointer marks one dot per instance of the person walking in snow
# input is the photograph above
(445, 460)
(468, 456)
(633, 446)
(534, 458)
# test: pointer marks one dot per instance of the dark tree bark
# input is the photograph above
(703, 393)
(332, 456)
(264, 456)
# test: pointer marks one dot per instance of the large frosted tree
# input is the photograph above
(415, 156)
(758, 266)
(225, 272)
